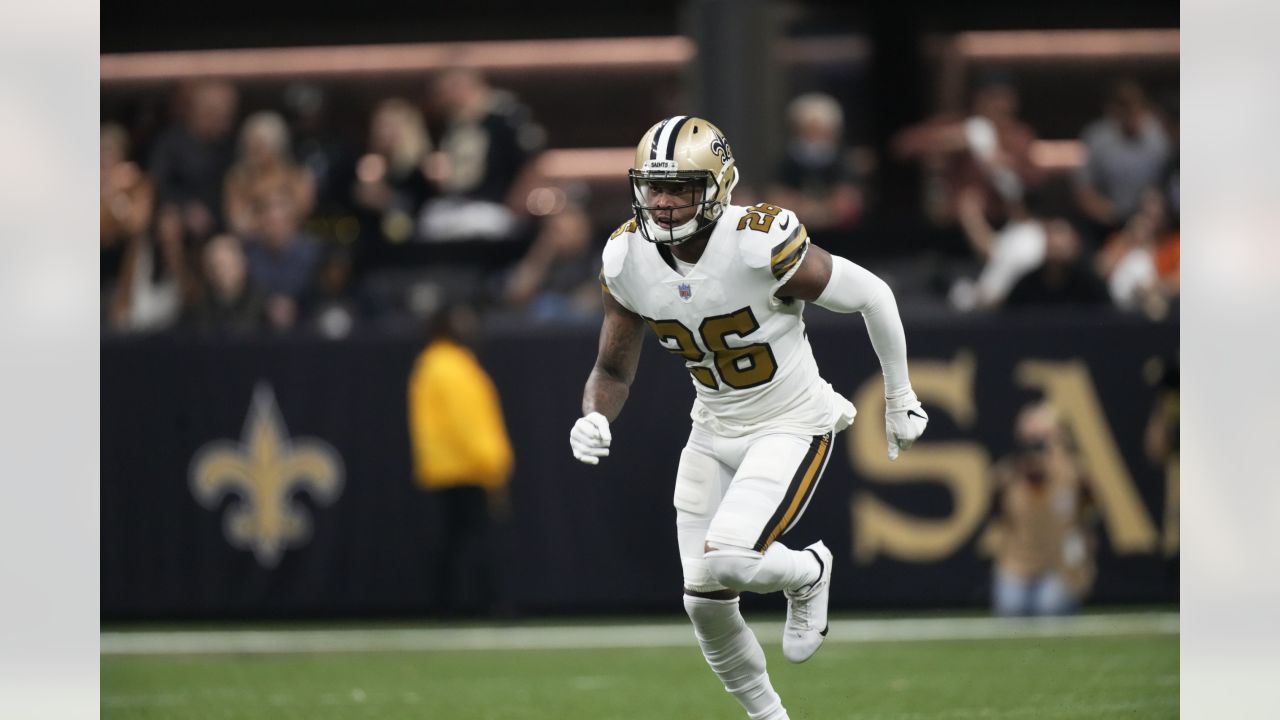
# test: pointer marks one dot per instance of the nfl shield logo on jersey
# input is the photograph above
(686, 293)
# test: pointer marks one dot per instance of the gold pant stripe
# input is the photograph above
(797, 492)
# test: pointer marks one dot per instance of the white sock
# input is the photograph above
(735, 655)
(791, 569)
(779, 568)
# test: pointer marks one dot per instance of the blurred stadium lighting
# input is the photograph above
(527, 55)
(1065, 44)
(586, 163)
(1057, 154)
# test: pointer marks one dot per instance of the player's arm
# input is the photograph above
(616, 359)
(609, 382)
(841, 286)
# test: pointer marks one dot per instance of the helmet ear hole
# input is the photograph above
(731, 183)
(710, 191)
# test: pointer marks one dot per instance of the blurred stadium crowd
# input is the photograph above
(219, 219)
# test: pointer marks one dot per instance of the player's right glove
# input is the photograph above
(904, 422)
(590, 438)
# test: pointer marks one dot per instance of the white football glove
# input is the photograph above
(904, 422)
(590, 438)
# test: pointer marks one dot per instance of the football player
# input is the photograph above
(724, 287)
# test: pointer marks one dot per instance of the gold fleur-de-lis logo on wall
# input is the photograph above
(265, 471)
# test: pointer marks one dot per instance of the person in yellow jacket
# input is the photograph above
(462, 456)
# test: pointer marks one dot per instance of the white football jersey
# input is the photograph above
(746, 350)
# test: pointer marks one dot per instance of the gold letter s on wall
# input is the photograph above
(961, 467)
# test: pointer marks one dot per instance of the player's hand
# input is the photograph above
(590, 438)
(904, 422)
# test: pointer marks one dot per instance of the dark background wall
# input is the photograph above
(583, 539)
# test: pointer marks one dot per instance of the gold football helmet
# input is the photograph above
(690, 156)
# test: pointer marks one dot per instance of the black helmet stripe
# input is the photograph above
(657, 133)
(661, 148)
(670, 151)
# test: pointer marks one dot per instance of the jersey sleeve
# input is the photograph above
(785, 257)
(773, 238)
(613, 261)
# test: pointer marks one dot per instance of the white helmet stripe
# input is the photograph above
(666, 144)
(653, 142)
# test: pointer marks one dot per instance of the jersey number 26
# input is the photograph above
(742, 367)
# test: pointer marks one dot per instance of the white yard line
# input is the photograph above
(613, 636)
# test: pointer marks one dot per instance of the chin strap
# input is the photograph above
(704, 230)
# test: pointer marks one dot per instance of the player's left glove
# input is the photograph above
(904, 422)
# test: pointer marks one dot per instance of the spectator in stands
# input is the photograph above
(817, 178)
(1063, 279)
(1168, 246)
(230, 303)
(282, 258)
(988, 151)
(1125, 154)
(462, 456)
(483, 169)
(1008, 254)
(1170, 175)
(126, 201)
(333, 310)
(1042, 521)
(557, 278)
(191, 158)
(389, 179)
(325, 156)
(1129, 261)
(155, 280)
(264, 165)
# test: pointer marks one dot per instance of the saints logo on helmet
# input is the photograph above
(681, 179)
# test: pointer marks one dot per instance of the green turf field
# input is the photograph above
(1130, 676)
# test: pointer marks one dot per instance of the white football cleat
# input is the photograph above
(806, 626)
